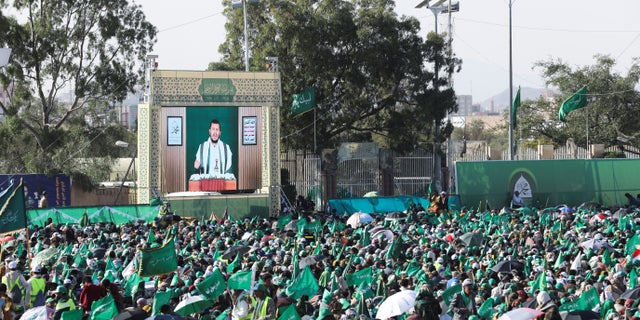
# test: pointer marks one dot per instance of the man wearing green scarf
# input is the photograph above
(463, 303)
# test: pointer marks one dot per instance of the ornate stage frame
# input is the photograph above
(170, 88)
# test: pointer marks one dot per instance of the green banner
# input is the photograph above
(212, 286)
(587, 301)
(240, 280)
(13, 213)
(304, 284)
(547, 182)
(360, 277)
(159, 260)
(289, 313)
(116, 214)
(103, 309)
(303, 101)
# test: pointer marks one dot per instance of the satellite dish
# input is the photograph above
(572, 148)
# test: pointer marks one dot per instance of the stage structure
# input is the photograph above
(211, 131)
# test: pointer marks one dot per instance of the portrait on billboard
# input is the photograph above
(212, 147)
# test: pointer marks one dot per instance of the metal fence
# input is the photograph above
(481, 153)
(409, 174)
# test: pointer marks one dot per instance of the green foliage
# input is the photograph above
(70, 61)
(612, 109)
(374, 75)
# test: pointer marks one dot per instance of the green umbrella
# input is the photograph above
(192, 304)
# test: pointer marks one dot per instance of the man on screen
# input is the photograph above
(213, 156)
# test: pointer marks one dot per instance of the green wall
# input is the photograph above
(240, 206)
(552, 182)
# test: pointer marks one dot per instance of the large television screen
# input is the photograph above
(222, 145)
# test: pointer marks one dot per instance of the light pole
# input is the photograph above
(510, 85)
(243, 3)
(436, 8)
(123, 144)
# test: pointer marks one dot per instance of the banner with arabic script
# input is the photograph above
(303, 101)
(13, 214)
(159, 260)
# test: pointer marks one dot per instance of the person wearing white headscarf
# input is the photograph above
(546, 305)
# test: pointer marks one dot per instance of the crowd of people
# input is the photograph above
(471, 264)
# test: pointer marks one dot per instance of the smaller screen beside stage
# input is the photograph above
(218, 158)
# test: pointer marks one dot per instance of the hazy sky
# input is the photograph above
(571, 30)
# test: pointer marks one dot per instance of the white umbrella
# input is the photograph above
(521, 314)
(384, 233)
(396, 304)
(358, 219)
(596, 244)
(37, 313)
(370, 194)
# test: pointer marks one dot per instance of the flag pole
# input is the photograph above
(587, 128)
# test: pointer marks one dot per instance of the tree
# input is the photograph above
(71, 60)
(612, 108)
(373, 74)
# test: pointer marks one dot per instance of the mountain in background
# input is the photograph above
(500, 101)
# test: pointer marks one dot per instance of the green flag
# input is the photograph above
(360, 277)
(514, 108)
(212, 286)
(130, 286)
(103, 308)
(71, 315)
(235, 263)
(631, 245)
(447, 294)
(289, 313)
(540, 283)
(84, 221)
(303, 101)
(13, 215)
(284, 219)
(158, 260)
(576, 101)
(633, 279)
(486, 309)
(304, 284)
(240, 280)
(151, 237)
(160, 298)
(587, 301)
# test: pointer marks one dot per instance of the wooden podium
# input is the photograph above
(213, 185)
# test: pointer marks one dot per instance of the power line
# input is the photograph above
(550, 28)
(190, 22)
